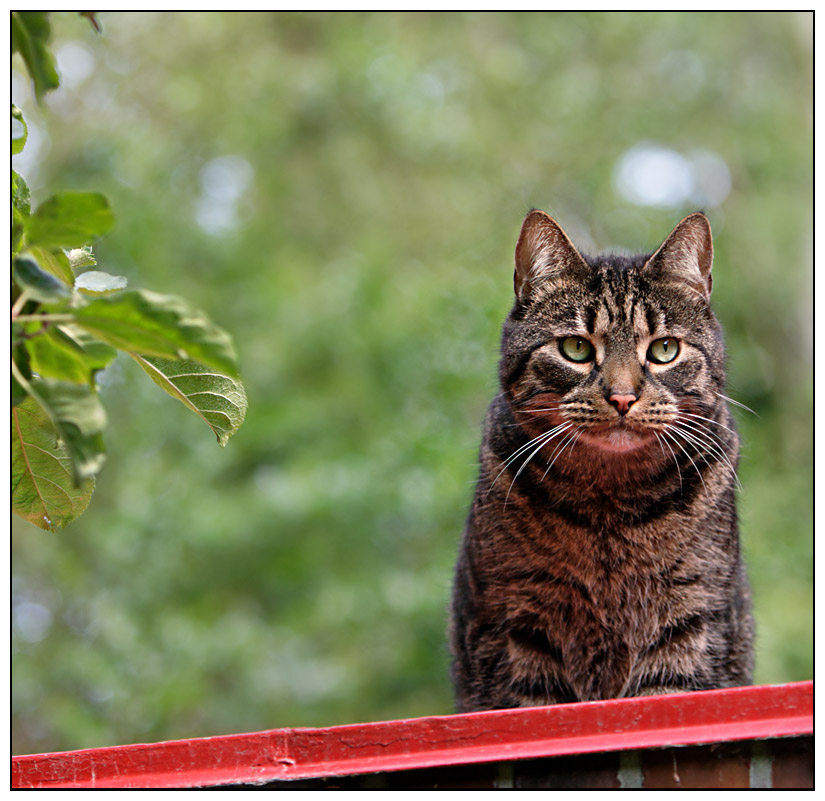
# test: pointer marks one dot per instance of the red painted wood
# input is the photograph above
(741, 713)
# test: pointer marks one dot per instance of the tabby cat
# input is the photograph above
(601, 555)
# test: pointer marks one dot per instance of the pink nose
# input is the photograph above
(622, 402)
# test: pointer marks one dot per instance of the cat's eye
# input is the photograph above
(576, 349)
(662, 351)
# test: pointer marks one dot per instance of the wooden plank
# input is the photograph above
(714, 716)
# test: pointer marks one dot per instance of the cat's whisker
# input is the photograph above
(533, 441)
(556, 432)
(704, 439)
(736, 403)
(699, 447)
(532, 399)
(569, 440)
(542, 438)
(702, 430)
(560, 444)
(661, 447)
(717, 446)
(707, 419)
(690, 458)
(675, 460)
(700, 441)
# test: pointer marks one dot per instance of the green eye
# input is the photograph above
(576, 349)
(662, 351)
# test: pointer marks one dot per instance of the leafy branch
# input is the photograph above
(69, 322)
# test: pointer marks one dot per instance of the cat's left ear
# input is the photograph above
(686, 255)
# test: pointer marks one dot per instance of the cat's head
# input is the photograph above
(620, 348)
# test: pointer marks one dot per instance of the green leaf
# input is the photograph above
(70, 220)
(42, 481)
(79, 419)
(97, 353)
(55, 262)
(219, 400)
(68, 355)
(40, 285)
(20, 210)
(30, 31)
(150, 324)
(20, 355)
(20, 196)
(19, 131)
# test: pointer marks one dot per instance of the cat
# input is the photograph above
(601, 554)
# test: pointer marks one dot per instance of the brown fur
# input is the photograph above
(601, 554)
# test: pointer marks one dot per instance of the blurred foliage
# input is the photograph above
(66, 325)
(343, 192)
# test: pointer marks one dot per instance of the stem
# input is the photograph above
(44, 318)
(20, 303)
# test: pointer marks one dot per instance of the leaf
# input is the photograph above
(42, 484)
(68, 355)
(40, 285)
(81, 257)
(21, 198)
(20, 193)
(79, 419)
(20, 355)
(19, 131)
(219, 400)
(70, 220)
(95, 282)
(98, 353)
(30, 31)
(164, 326)
(55, 262)
(20, 210)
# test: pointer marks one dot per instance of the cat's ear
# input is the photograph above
(686, 255)
(543, 252)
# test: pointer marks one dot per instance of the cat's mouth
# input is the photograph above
(619, 437)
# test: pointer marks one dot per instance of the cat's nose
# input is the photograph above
(622, 402)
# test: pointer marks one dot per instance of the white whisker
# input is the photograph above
(569, 441)
(556, 432)
(707, 419)
(704, 439)
(675, 460)
(679, 445)
(543, 438)
(737, 403)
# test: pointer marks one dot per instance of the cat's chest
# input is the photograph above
(608, 581)
(587, 627)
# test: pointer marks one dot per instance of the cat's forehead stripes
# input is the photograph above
(618, 306)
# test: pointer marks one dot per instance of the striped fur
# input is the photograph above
(601, 554)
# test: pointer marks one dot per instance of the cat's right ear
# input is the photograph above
(543, 252)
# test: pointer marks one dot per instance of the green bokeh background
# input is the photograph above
(343, 192)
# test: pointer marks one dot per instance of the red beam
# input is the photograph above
(741, 713)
